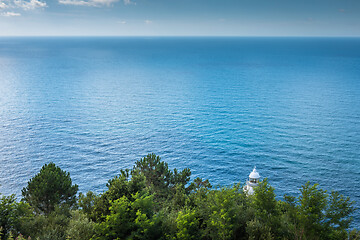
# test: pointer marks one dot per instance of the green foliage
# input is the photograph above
(219, 214)
(267, 213)
(52, 226)
(312, 207)
(227, 215)
(338, 211)
(130, 219)
(8, 214)
(323, 216)
(87, 203)
(188, 225)
(258, 230)
(10, 237)
(80, 227)
(97, 207)
(25, 217)
(264, 201)
(14, 216)
(21, 237)
(354, 235)
(50, 188)
(149, 174)
(150, 201)
(159, 178)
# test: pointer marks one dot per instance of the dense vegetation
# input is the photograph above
(150, 201)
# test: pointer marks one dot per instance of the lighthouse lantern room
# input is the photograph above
(253, 181)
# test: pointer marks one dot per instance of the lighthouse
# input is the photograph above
(253, 181)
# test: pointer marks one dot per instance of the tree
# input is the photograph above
(162, 181)
(338, 215)
(87, 202)
(130, 219)
(8, 215)
(227, 215)
(187, 225)
(323, 216)
(215, 213)
(50, 188)
(264, 201)
(14, 216)
(267, 214)
(311, 212)
(150, 201)
(80, 227)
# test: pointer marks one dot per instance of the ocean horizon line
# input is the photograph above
(171, 36)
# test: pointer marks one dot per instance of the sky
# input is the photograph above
(318, 18)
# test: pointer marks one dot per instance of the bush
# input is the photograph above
(80, 227)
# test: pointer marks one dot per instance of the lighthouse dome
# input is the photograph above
(254, 174)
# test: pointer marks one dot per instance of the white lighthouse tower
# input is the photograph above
(253, 181)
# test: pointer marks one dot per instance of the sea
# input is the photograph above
(217, 105)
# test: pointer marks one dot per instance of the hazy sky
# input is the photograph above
(180, 17)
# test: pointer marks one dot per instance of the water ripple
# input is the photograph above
(217, 106)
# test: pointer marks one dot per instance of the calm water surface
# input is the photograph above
(219, 106)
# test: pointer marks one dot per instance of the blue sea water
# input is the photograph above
(220, 106)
